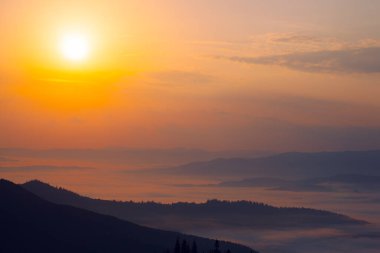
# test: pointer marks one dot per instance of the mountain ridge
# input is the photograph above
(214, 213)
(287, 165)
(32, 224)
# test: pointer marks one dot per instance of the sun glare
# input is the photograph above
(74, 47)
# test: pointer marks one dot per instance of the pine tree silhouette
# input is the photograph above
(216, 250)
(185, 248)
(194, 248)
(177, 248)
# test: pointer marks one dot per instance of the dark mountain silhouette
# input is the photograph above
(30, 224)
(184, 216)
(344, 182)
(286, 165)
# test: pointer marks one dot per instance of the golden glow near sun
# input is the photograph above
(74, 47)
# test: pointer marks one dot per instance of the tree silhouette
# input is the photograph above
(194, 248)
(216, 247)
(185, 248)
(177, 248)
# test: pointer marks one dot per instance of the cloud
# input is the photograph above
(359, 60)
(291, 38)
(280, 43)
(290, 43)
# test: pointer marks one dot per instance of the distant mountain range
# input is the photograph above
(344, 182)
(285, 166)
(31, 224)
(188, 216)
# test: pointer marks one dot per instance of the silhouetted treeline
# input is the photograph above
(185, 247)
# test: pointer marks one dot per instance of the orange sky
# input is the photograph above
(264, 75)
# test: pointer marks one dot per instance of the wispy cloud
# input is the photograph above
(310, 53)
(287, 43)
(361, 60)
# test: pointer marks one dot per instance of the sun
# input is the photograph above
(74, 47)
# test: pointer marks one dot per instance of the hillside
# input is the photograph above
(31, 224)
(184, 216)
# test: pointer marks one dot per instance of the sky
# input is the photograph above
(215, 75)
